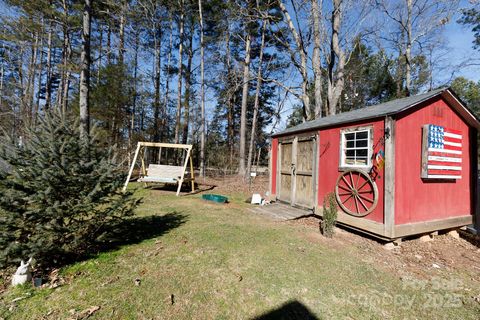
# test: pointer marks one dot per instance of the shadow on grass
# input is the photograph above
(137, 229)
(186, 189)
(291, 310)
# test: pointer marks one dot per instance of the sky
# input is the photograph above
(459, 39)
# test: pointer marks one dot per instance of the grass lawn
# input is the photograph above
(201, 260)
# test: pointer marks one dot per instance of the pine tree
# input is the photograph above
(59, 193)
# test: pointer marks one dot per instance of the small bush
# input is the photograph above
(329, 215)
(58, 194)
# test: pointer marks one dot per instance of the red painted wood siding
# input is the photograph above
(419, 200)
(274, 155)
(329, 153)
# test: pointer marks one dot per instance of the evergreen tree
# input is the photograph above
(471, 17)
(59, 193)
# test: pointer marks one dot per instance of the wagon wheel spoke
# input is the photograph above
(345, 201)
(356, 204)
(363, 204)
(348, 184)
(365, 198)
(345, 194)
(358, 180)
(362, 185)
(363, 192)
(344, 188)
(351, 180)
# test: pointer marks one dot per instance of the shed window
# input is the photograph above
(355, 148)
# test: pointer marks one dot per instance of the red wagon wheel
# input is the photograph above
(356, 192)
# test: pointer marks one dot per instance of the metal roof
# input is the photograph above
(379, 110)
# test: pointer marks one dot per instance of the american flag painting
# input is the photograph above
(442, 153)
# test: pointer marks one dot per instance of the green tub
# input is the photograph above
(215, 198)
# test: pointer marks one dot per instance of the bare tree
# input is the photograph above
(202, 91)
(414, 22)
(257, 100)
(85, 71)
(301, 50)
(335, 70)
(316, 61)
(180, 71)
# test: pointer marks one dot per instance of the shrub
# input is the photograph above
(329, 215)
(58, 194)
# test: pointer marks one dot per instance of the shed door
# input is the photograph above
(296, 171)
(285, 171)
(304, 173)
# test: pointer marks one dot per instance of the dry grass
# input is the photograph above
(223, 262)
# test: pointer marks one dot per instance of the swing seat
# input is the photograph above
(158, 173)
(163, 174)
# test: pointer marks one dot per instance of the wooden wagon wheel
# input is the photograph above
(356, 192)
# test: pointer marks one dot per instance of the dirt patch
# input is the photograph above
(225, 185)
(235, 184)
(440, 257)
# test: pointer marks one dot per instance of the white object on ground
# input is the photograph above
(256, 198)
(23, 273)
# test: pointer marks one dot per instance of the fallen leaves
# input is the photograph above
(84, 314)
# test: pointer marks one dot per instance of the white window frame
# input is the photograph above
(343, 145)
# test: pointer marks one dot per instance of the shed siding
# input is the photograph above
(273, 174)
(328, 164)
(418, 200)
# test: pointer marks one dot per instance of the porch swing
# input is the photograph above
(157, 173)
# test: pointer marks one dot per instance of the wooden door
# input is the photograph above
(304, 173)
(297, 172)
(285, 171)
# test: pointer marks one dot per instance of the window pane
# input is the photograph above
(362, 153)
(350, 144)
(361, 143)
(362, 135)
(362, 162)
(350, 153)
(350, 136)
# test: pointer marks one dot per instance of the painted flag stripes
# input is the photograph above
(444, 153)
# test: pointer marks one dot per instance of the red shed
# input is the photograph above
(400, 168)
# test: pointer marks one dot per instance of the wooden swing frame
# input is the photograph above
(179, 178)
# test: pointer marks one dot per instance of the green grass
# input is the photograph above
(223, 262)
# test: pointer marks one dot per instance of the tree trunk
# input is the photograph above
(230, 99)
(335, 72)
(157, 72)
(121, 33)
(67, 55)
(100, 53)
(31, 78)
(135, 85)
(307, 113)
(257, 102)
(156, 100)
(167, 80)
(2, 73)
(243, 115)
(180, 74)
(39, 84)
(202, 92)
(188, 88)
(408, 51)
(85, 72)
(48, 88)
(109, 39)
(317, 70)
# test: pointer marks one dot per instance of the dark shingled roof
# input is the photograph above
(379, 110)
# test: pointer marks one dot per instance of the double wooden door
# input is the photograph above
(296, 171)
